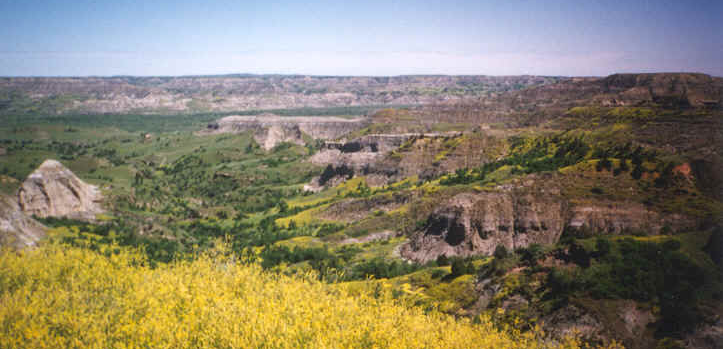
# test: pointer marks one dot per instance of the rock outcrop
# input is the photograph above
(17, 230)
(277, 134)
(622, 218)
(369, 155)
(475, 224)
(674, 89)
(54, 191)
(261, 126)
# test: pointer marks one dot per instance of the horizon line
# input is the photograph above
(249, 75)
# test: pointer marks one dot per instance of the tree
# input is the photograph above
(461, 267)
(603, 163)
(624, 165)
(666, 176)
(637, 171)
(579, 255)
(283, 206)
(531, 254)
(602, 247)
(442, 260)
(500, 252)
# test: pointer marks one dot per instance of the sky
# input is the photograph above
(371, 37)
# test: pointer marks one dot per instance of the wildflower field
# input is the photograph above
(58, 296)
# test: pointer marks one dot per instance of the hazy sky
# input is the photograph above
(371, 37)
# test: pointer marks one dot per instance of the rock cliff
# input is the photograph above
(369, 155)
(474, 224)
(622, 218)
(270, 130)
(52, 190)
(16, 228)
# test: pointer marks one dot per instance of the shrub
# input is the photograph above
(62, 297)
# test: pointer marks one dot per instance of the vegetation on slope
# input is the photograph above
(68, 297)
(175, 193)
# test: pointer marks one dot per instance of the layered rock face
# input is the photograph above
(54, 191)
(475, 224)
(678, 89)
(360, 152)
(277, 134)
(17, 230)
(367, 155)
(621, 218)
(316, 127)
(249, 92)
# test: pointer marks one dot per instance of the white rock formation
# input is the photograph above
(54, 191)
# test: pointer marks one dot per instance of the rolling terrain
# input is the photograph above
(171, 95)
(548, 207)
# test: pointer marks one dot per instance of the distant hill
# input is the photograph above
(60, 95)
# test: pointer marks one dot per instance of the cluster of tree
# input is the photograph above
(551, 153)
(320, 259)
(267, 232)
(120, 231)
(111, 155)
(380, 268)
(362, 190)
(539, 155)
(638, 270)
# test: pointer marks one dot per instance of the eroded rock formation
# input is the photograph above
(622, 218)
(475, 224)
(54, 191)
(316, 127)
(16, 228)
